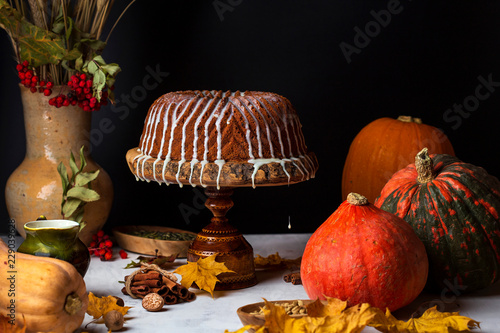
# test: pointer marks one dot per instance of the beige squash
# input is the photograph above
(49, 293)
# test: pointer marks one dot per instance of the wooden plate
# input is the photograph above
(148, 246)
(247, 318)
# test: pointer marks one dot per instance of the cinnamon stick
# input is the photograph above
(190, 297)
(149, 275)
(149, 283)
(170, 299)
(294, 278)
(172, 285)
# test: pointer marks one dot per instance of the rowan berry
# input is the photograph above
(108, 256)
(123, 254)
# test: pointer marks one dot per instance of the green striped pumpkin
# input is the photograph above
(454, 208)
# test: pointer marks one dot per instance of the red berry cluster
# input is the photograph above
(30, 80)
(101, 246)
(81, 94)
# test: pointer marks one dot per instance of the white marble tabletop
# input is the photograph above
(207, 314)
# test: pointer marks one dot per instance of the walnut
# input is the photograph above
(153, 302)
(113, 320)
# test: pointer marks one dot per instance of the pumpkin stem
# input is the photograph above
(356, 199)
(73, 304)
(424, 166)
(409, 119)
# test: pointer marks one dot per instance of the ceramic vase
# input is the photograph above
(35, 187)
(56, 239)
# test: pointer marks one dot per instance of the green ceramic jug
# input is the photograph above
(56, 239)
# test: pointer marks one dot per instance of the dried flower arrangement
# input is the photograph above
(57, 42)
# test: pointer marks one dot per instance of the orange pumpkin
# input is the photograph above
(385, 146)
(362, 254)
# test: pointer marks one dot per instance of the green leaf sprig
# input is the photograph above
(77, 191)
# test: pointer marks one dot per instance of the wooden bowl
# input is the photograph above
(247, 318)
(148, 246)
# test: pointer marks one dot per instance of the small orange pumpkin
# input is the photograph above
(385, 146)
(362, 254)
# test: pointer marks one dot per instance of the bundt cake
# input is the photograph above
(216, 138)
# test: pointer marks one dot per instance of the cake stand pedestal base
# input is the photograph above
(221, 238)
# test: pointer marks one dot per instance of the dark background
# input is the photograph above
(426, 59)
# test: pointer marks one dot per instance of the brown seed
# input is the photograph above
(113, 320)
(153, 302)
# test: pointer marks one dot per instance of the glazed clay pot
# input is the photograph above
(56, 239)
(35, 188)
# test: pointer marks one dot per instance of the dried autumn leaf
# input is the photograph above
(8, 325)
(275, 261)
(203, 272)
(333, 307)
(159, 260)
(99, 306)
(246, 328)
(333, 318)
(431, 321)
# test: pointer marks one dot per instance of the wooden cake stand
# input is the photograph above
(220, 237)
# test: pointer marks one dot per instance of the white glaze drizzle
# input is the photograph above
(220, 163)
(257, 163)
(195, 139)
(247, 128)
(183, 139)
(157, 121)
(278, 131)
(268, 131)
(257, 128)
(203, 163)
(160, 151)
(192, 163)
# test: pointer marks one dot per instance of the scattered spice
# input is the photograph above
(293, 308)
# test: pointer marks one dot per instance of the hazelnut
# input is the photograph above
(113, 320)
(153, 302)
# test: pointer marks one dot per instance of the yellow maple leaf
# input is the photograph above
(8, 325)
(431, 321)
(202, 272)
(333, 307)
(99, 306)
